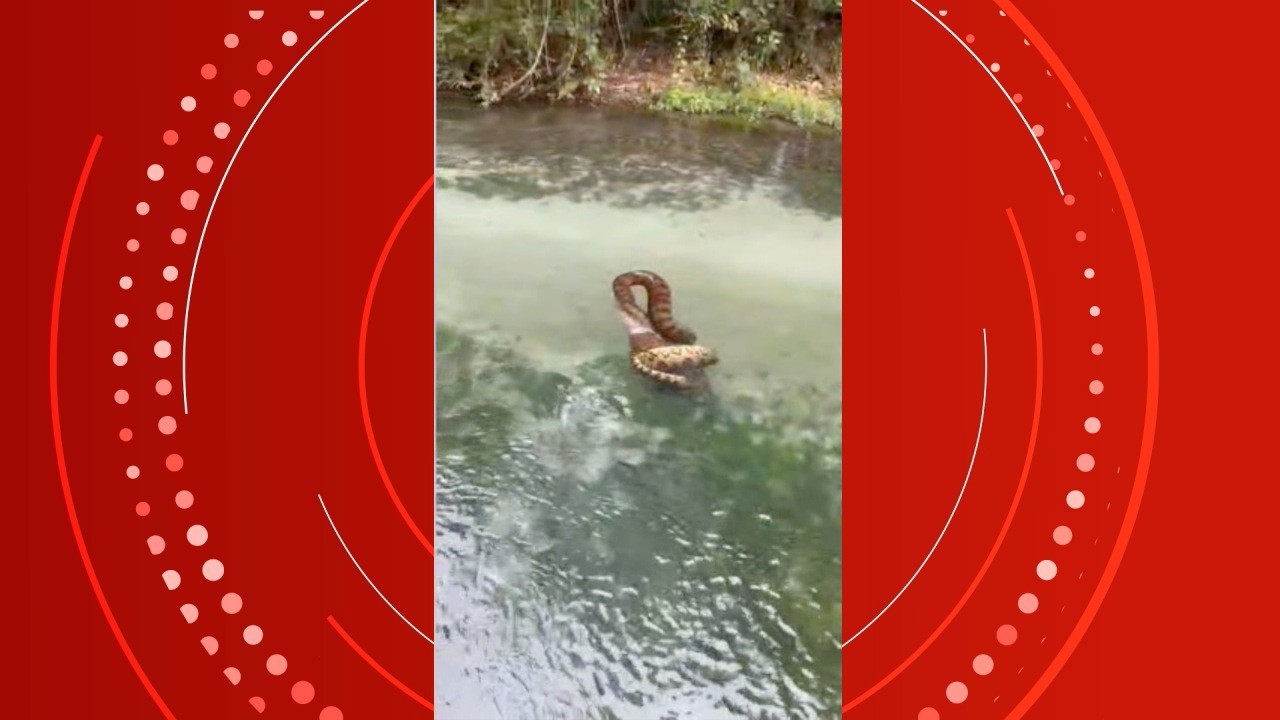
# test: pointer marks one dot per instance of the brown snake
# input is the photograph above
(661, 348)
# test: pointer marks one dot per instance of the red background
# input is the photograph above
(1183, 93)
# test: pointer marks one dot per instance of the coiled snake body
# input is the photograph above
(661, 348)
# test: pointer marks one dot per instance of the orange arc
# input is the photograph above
(81, 546)
(364, 655)
(361, 366)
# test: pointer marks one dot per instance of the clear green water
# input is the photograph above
(606, 549)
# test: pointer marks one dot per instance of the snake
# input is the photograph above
(662, 349)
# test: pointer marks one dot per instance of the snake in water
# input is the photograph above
(661, 349)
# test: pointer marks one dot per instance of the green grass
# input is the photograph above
(756, 102)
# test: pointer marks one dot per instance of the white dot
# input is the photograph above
(163, 349)
(1095, 387)
(1028, 603)
(197, 535)
(120, 358)
(1075, 499)
(122, 320)
(171, 579)
(155, 172)
(213, 570)
(171, 273)
(995, 67)
(1046, 570)
(1095, 311)
(188, 103)
(1088, 273)
(289, 38)
(132, 472)
(221, 130)
(1084, 462)
(126, 282)
(1092, 425)
(255, 14)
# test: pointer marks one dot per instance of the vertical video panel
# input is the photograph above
(638, 360)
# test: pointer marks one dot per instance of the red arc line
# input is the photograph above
(57, 435)
(1017, 496)
(361, 366)
(380, 670)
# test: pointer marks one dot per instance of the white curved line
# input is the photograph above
(982, 416)
(992, 75)
(186, 314)
(366, 575)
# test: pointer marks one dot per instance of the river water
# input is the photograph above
(606, 549)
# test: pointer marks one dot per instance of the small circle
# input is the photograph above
(122, 397)
(1088, 273)
(1069, 199)
(173, 462)
(1062, 535)
(1017, 97)
(170, 137)
(331, 713)
(204, 163)
(1037, 130)
(1075, 499)
(1092, 425)
(258, 704)
(231, 40)
(221, 130)
(184, 499)
(188, 103)
(256, 14)
(1096, 349)
(132, 245)
(132, 472)
(1085, 462)
(253, 635)
(170, 273)
(120, 358)
(155, 544)
(957, 692)
(1095, 387)
(289, 38)
(171, 577)
(142, 208)
(189, 199)
(143, 509)
(928, 713)
(126, 434)
(1047, 570)
(241, 98)
(163, 387)
(264, 67)
(303, 692)
(276, 664)
(1006, 635)
(163, 349)
(1080, 236)
(155, 172)
(995, 67)
(178, 236)
(983, 664)
(969, 38)
(197, 535)
(164, 311)
(126, 282)
(1028, 603)
(122, 320)
(208, 71)
(232, 603)
(213, 570)
(1095, 311)
(168, 425)
(317, 14)
(1056, 164)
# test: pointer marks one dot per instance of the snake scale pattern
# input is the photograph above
(661, 349)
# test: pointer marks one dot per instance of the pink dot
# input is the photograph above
(122, 320)
(1017, 97)
(1047, 570)
(303, 692)
(1056, 164)
(1096, 349)
(204, 163)
(255, 14)
(264, 67)
(232, 603)
(163, 387)
(213, 570)
(208, 71)
(1028, 603)
(143, 208)
(1092, 425)
(983, 664)
(1037, 130)
(276, 665)
(957, 692)
(126, 434)
(233, 675)
(189, 199)
(143, 509)
(258, 704)
(1084, 462)
(170, 273)
(317, 14)
(1062, 535)
(969, 38)
(119, 358)
(132, 245)
(122, 397)
(1089, 273)
(1069, 199)
(132, 472)
(241, 98)
(164, 311)
(155, 544)
(221, 130)
(155, 172)
(189, 613)
(184, 499)
(210, 645)
(928, 714)
(178, 236)
(253, 635)
(231, 40)
(163, 349)
(1075, 499)
(1080, 236)
(126, 282)
(197, 535)
(173, 462)
(289, 38)
(168, 425)
(331, 713)
(1095, 387)
(170, 137)
(1006, 635)
(188, 103)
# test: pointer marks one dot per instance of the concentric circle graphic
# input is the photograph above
(235, 364)
(1026, 350)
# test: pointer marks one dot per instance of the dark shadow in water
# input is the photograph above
(632, 158)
